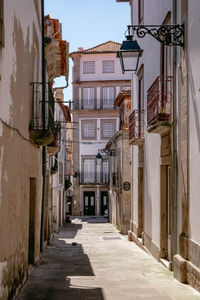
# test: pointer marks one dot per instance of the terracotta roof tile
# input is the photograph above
(107, 47)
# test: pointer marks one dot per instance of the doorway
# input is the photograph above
(32, 207)
(89, 203)
(104, 202)
(165, 210)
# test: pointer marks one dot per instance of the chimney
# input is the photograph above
(80, 49)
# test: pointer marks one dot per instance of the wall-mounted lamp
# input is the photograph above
(99, 158)
(109, 152)
(130, 51)
(129, 54)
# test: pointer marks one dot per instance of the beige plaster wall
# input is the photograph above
(19, 159)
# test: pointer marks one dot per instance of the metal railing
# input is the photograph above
(94, 178)
(80, 104)
(136, 124)
(37, 119)
(159, 98)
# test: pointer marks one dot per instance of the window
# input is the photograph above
(108, 128)
(108, 66)
(88, 130)
(88, 98)
(140, 11)
(105, 171)
(108, 97)
(88, 67)
(89, 170)
(2, 34)
(141, 88)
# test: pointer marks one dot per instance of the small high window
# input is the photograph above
(88, 67)
(108, 66)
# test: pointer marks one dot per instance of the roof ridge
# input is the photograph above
(92, 48)
(112, 48)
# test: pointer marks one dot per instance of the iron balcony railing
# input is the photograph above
(159, 99)
(82, 104)
(94, 178)
(37, 120)
(136, 125)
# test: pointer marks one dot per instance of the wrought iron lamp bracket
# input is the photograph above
(169, 35)
(109, 152)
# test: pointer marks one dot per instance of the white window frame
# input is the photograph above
(89, 130)
(88, 67)
(105, 132)
(89, 170)
(88, 98)
(108, 66)
(108, 97)
(105, 171)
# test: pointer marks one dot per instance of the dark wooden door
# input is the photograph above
(89, 203)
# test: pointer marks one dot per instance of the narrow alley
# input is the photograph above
(89, 259)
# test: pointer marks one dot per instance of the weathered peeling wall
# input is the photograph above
(19, 159)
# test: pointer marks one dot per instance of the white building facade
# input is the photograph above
(97, 79)
(165, 153)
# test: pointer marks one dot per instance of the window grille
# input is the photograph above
(88, 67)
(108, 66)
(88, 130)
(108, 129)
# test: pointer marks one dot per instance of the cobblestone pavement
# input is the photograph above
(90, 260)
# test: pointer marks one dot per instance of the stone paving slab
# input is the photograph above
(103, 265)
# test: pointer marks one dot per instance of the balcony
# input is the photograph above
(94, 179)
(43, 129)
(92, 105)
(54, 147)
(159, 99)
(136, 127)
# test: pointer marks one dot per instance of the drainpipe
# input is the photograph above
(174, 150)
(43, 123)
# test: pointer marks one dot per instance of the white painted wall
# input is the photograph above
(91, 147)
(99, 75)
(8, 55)
(194, 117)
(151, 61)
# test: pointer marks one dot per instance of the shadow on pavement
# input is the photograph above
(51, 278)
(91, 219)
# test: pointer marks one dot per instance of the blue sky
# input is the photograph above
(87, 23)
